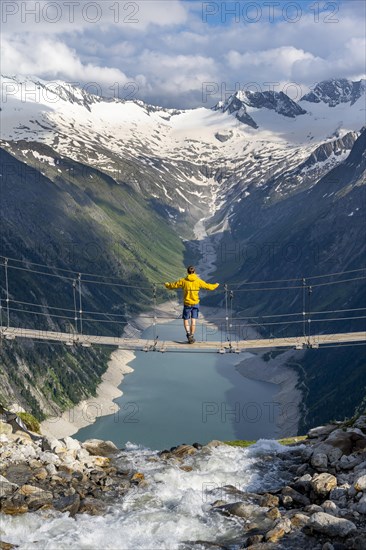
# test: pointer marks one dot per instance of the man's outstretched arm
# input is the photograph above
(208, 286)
(176, 284)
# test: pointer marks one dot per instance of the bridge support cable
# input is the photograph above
(80, 305)
(1, 308)
(231, 297)
(310, 291)
(304, 306)
(7, 292)
(226, 311)
(75, 306)
(154, 316)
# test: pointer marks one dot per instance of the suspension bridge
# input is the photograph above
(73, 326)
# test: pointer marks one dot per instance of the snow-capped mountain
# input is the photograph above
(278, 101)
(190, 161)
(334, 92)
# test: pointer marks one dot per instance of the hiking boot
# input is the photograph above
(191, 339)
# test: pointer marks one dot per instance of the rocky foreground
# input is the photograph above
(321, 506)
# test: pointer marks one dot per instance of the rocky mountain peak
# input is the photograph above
(278, 101)
(336, 91)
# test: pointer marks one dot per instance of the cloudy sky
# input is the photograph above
(184, 53)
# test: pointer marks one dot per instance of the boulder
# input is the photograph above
(69, 504)
(6, 487)
(342, 440)
(306, 453)
(321, 431)
(82, 455)
(218, 503)
(302, 469)
(92, 506)
(254, 540)
(248, 511)
(13, 508)
(137, 477)
(358, 439)
(319, 461)
(28, 490)
(101, 461)
(357, 542)
(361, 467)
(239, 509)
(360, 483)
(98, 447)
(273, 514)
(25, 452)
(297, 497)
(361, 423)
(35, 497)
(323, 483)
(334, 454)
(72, 445)
(52, 444)
(184, 450)
(19, 473)
(269, 500)
(214, 443)
(361, 505)
(302, 484)
(339, 495)
(349, 462)
(282, 527)
(6, 545)
(313, 508)
(330, 507)
(299, 520)
(287, 501)
(51, 469)
(41, 474)
(331, 526)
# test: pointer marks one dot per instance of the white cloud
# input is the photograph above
(61, 16)
(170, 52)
(280, 60)
(53, 59)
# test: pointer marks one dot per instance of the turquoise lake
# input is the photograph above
(179, 397)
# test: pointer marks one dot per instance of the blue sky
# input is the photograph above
(184, 53)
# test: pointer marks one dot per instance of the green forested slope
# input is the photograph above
(76, 218)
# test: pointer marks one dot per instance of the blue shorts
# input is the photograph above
(190, 312)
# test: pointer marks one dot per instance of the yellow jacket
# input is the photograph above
(191, 284)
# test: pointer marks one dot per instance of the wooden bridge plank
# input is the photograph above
(147, 345)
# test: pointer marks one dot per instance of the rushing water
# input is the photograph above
(175, 398)
(172, 511)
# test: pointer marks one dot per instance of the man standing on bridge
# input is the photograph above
(191, 285)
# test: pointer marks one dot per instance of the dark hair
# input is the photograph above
(190, 269)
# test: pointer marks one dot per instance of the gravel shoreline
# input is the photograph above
(86, 412)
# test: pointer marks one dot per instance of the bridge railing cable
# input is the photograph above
(7, 292)
(78, 317)
(75, 273)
